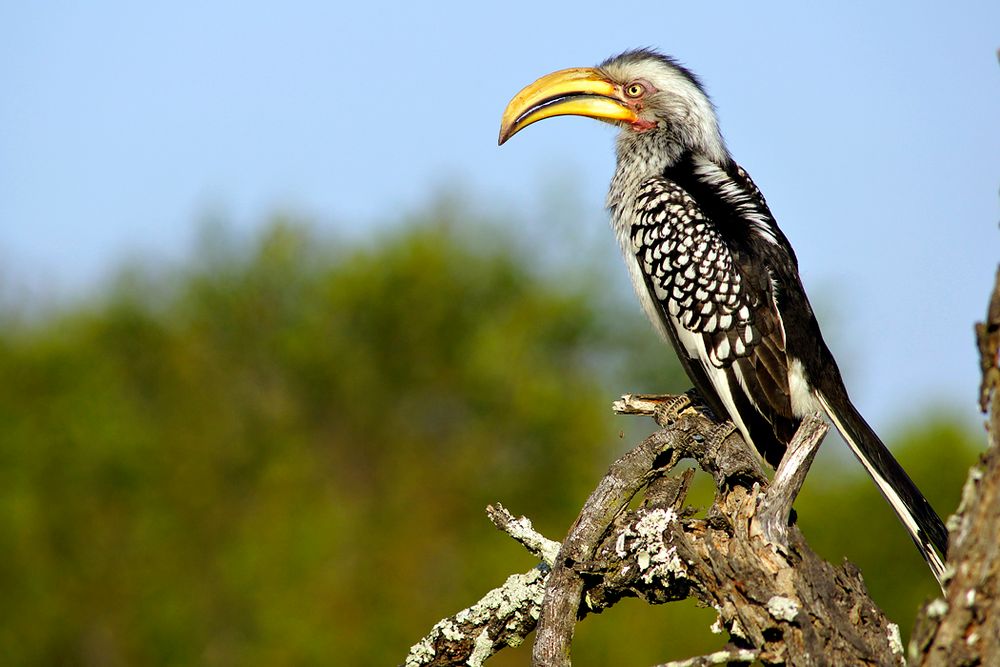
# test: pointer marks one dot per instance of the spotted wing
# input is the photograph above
(722, 308)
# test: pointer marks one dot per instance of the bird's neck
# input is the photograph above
(643, 155)
(646, 155)
(640, 157)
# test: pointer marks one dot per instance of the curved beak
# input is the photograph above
(580, 91)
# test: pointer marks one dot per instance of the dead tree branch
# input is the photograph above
(780, 603)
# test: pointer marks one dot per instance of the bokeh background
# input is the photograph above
(278, 319)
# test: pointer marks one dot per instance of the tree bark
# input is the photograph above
(780, 604)
(964, 629)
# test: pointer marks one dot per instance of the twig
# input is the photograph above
(524, 533)
(503, 617)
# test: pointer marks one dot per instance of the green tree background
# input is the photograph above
(279, 452)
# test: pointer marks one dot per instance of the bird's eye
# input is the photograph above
(635, 89)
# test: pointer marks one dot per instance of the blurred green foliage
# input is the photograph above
(280, 453)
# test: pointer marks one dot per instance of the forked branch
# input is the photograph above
(779, 602)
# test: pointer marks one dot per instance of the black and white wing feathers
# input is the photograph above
(720, 311)
(725, 283)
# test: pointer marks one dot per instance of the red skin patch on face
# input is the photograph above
(640, 125)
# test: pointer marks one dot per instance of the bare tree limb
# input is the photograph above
(503, 617)
(626, 477)
(524, 533)
(779, 607)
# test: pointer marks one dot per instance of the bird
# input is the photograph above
(714, 273)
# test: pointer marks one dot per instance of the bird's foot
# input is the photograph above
(672, 408)
(665, 408)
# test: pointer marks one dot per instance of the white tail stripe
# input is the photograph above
(898, 506)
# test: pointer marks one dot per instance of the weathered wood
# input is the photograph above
(503, 617)
(524, 533)
(781, 607)
(624, 480)
(776, 508)
(964, 629)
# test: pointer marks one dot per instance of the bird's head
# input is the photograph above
(643, 92)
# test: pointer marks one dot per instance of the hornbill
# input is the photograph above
(714, 273)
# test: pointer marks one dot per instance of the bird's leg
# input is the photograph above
(772, 517)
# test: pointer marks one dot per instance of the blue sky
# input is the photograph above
(872, 129)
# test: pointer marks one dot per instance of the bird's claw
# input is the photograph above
(672, 408)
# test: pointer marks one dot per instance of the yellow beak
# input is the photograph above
(581, 91)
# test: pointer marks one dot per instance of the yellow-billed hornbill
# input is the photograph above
(713, 271)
